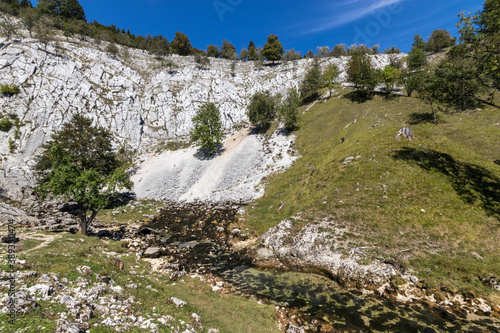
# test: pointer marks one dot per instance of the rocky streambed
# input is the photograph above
(314, 287)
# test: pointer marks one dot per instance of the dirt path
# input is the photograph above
(47, 239)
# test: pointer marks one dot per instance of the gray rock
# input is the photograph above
(64, 326)
(152, 252)
(177, 302)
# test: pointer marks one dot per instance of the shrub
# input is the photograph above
(261, 110)
(9, 89)
(5, 124)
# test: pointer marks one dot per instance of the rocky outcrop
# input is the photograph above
(134, 96)
(316, 248)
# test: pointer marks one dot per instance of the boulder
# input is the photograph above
(152, 252)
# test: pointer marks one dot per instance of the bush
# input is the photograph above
(261, 110)
(288, 112)
(5, 125)
(112, 49)
(9, 90)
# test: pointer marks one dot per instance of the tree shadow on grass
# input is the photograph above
(474, 184)
(422, 118)
(359, 96)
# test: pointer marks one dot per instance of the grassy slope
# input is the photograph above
(438, 195)
(69, 251)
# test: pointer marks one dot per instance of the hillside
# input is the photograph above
(141, 101)
(430, 205)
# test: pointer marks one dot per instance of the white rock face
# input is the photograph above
(140, 101)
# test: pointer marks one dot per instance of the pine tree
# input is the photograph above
(181, 44)
(227, 50)
(273, 50)
(252, 52)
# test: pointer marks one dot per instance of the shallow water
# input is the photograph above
(321, 298)
(191, 237)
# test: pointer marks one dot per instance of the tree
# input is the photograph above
(291, 55)
(339, 50)
(244, 54)
(252, 51)
(418, 42)
(439, 40)
(28, 19)
(261, 110)
(181, 44)
(207, 128)
(375, 49)
(227, 50)
(329, 77)
(311, 83)
(69, 9)
(392, 50)
(360, 71)
(309, 54)
(8, 26)
(79, 164)
(323, 51)
(432, 91)
(411, 81)
(480, 42)
(273, 50)
(416, 58)
(160, 47)
(288, 111)
(390, 76)
(212, 51)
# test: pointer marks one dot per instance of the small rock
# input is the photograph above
(177, 302)
(64, 326)
(235, 232)
(84, 270)
(117, 263)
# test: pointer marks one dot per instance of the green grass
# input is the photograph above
(126, 214)
(438, 194)
(63, 255)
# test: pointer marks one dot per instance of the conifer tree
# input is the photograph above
(273, 50)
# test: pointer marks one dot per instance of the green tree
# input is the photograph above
(360, 71)
(252, 52)
(28, 19)
(392, 50)
(418, 42)
(207, 128)
(416, 58)
(480, 41)
(291, 55)
(79, 164)
(339, 50)
(390, 76)
(434, 91)
(439, 40)
(329, 77)
(244, 54)
(69, 9)
(212, 51)
(311, 83)
(261, 110)
(288, 112)
(181, 44)
(273, 50)
(227, 50)
(8, 26)
(411, 81)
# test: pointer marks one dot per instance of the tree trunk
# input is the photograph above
(84, 221)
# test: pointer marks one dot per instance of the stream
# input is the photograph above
(198, 238)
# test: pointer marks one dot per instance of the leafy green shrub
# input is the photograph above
(5, 124)
(9, 89)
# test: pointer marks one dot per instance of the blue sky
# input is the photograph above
(301, 25)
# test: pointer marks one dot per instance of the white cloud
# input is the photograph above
(353, 10)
